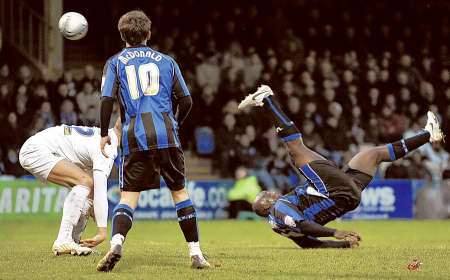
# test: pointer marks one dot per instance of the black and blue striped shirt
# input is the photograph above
(145, 82)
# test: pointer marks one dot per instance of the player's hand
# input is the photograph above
(94, 241)
(103, 141)
(353, 242)
(347, 235)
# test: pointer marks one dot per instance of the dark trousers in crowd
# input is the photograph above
(236, 206)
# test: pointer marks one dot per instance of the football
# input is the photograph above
(73, 26)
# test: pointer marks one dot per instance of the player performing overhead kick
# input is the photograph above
(66, 155)
(329, 192)
(149, 87)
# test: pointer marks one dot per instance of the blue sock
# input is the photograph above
(187, 218)
(401, 148)
(122, 219)
(286, 128)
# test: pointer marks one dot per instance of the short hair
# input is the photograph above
(264, 202)
(134, 27)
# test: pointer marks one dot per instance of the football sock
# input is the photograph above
(400, 148)
(121, 223)
(194, 249)
(82, 221)
(286, 128)
(187, 219)
(72, 208)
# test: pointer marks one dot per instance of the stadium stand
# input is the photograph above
(351, 75)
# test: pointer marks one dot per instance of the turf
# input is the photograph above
(237, 250)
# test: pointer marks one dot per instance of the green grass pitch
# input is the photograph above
(236, 249)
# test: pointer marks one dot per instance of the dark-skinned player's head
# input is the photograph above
(134, 28)
(263, 202)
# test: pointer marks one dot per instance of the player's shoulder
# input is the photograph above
(112, 60)
(168, 59)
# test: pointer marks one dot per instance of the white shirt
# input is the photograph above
(80, 145)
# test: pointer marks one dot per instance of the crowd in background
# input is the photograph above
(348, 79)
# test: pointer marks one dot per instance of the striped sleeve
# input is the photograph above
(110, 81)
(288, 214)
(180, 88)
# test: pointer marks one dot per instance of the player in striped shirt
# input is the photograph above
(154, 100)
(329, 191)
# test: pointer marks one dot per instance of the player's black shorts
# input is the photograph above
(143, 170)
(361, 179)
(345, 185)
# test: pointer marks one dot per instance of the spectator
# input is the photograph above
(279, 169)
(11, 163)
(62, 94)
(243, 193)
(226, 145)
(5, 99)
(69, 81)
(90, 76)
(294, 107)
(5, 78)
(391, 125)
(245, 153)
(88, 98)
(11, 133)
(208, 73)
(40, 95)
(311, 137)
(336, 129)
(45, 113)
(90, 118)
(68, 115)
(253, 68)
(25, 77)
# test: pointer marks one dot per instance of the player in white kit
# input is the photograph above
(70, 156)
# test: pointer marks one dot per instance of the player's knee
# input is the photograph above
(85, 180)
(373, 155)
(378, 154)
(180, 195)
(297, 149)
(129, 198)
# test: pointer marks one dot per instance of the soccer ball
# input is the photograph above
(73, 26)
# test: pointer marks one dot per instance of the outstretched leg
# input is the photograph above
(367, 161)
(301, 155)
(286, 129)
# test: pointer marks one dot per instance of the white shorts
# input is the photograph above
(37, 159)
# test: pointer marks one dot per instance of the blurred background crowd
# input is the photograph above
(349, 74)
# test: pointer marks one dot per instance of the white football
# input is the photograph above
(73, 26)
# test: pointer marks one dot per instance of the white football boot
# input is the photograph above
(256, 99)
(434, 128)
(199, 262)
(65, 248)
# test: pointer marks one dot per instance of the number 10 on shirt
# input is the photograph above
(148, 77)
